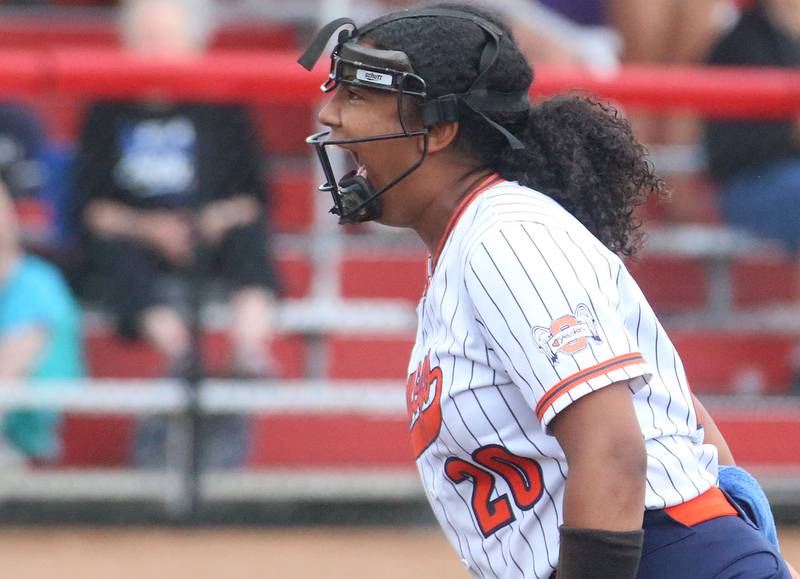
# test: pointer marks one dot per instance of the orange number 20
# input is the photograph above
(522, 475)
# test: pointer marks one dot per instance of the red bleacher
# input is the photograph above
(96, 440)
(284, 127)
(761, 282)
(672, 284)
(349, 441)
(110, 356)
(396, 274)
(364, 358)
(760, 439)
(32, 31)
(720, 362)
(291, 201)
(105, 440)
(294, 270)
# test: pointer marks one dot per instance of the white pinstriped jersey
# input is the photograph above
(525, 312)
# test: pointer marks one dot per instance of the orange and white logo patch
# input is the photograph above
(568, 334)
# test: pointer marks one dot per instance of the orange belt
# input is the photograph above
(710, 505)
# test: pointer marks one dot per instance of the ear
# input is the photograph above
(440, 136)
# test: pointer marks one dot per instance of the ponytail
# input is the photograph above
(583, 154)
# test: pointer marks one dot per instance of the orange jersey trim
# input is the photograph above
(584, 376)
(709, 505)
(490, 181)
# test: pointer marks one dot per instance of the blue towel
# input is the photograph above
(746, 492)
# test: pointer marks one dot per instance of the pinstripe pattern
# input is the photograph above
(524, 313)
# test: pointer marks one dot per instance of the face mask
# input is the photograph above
(354, 199)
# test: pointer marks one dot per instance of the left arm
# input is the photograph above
(18, 352)
(605, 490)
(712, 435)
(605, 452)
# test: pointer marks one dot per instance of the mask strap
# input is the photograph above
(310, 57)
(513, 141)
(423, 12)
(447, 108)
(488, 58)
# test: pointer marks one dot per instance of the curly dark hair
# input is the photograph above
(578, 150)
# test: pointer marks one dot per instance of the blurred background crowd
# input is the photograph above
(184, 239)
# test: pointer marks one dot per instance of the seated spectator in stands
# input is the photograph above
(757, 161)
(601, 33)
(40, 340)
(176, 188)
(571, 33)
(25, 170)
(668, 32)
(22, 144)
(563, 32)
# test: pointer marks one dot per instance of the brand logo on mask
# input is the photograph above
(374, 77)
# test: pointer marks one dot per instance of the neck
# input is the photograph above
(447, 188)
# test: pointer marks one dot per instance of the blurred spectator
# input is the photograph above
(177, 188)
(600, 33)
(563, 32)
(40, 339)
(666, 31)
(544, 29)
(22, 145)
(757, 161)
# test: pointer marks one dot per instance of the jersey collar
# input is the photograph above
(465, 202)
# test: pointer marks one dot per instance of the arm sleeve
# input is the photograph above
(547, 306)
(39, 298)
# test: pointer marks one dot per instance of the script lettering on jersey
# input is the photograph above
(423, 392)
(568, 334)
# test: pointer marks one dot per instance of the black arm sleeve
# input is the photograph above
(599, 554)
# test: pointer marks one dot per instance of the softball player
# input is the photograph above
(550, 415)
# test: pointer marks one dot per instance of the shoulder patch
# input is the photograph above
(567, 334)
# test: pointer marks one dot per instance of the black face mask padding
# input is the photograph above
(354, 191)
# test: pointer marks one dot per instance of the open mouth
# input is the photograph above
(361, 169)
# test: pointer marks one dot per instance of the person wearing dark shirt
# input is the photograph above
(22, 145)
(757, 161)
(176, 188)
(153, 179)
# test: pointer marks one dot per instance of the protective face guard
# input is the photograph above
(390, 70)
(354, 199)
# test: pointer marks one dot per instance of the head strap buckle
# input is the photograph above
(445, 109)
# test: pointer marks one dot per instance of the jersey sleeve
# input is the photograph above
(547, 303)
(39, 298)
